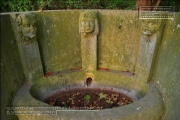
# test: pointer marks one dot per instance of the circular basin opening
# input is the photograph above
(88, 99)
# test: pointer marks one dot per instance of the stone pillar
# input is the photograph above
(152, 30)
(25, 32)
(89, 29)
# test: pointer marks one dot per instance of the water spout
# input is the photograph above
(89, 81)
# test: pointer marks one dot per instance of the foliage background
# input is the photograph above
(33, 5)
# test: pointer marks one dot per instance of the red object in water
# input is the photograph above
(48, 74)
(103, 69)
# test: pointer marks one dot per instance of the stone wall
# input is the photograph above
(59, 39)
(12, 75)
(118, 41)
(166, 74)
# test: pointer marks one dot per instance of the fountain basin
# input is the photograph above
(147, 103)
(89, 98)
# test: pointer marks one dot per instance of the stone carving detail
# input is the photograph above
(152, 30)
(150, 26)
(26, 27)
(89, 29)
(88, 24)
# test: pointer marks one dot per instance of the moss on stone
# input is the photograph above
(167, 67)
(12, 75)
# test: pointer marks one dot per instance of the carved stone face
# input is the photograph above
(28, 29)
(87, 26)
(88, 23)
(150, 26)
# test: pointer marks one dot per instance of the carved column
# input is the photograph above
(152, 30)
(25, 32)
(89, 29)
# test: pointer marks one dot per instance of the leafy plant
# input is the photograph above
(87, 97)
(109, 101)
(31, 5)
(102, 95)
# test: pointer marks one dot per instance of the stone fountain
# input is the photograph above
(133, 80)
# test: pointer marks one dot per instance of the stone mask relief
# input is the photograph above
(87, 26)
(26, 27)
(150, 26)
(88, 23)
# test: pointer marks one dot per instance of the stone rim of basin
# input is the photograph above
(42, 94)
(152, 100)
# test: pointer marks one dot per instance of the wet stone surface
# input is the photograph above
(88, 99)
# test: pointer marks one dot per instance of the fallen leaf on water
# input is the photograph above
(114, 99)
(102, 95)
(109, 101)
(52, 102)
